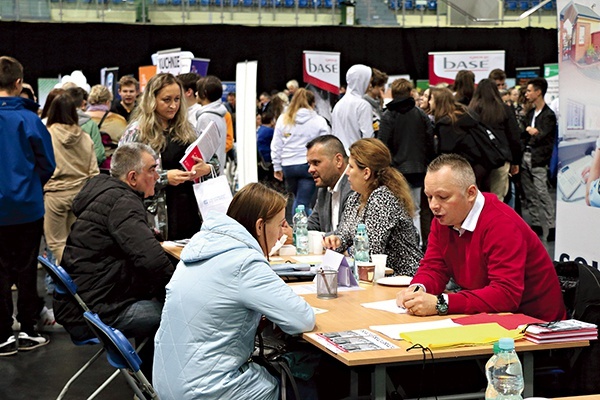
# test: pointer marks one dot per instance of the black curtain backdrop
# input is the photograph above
(49, 49)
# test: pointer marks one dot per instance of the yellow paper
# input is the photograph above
(468, 335)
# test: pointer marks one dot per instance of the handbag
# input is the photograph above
(213, 194)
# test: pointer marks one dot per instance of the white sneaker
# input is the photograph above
(47, 323)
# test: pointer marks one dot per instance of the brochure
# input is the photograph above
(352, 341)
(204, 147)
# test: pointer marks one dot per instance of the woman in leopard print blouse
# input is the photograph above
(383, 203)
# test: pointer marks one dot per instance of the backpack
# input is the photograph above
(493, 151)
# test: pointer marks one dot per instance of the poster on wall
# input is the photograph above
(578, 193)
(443, 66)
(322, 69)
(524, 74)
(551, 76)
(109, 77)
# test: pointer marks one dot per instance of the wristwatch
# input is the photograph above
(441, 306)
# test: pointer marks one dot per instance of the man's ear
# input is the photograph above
(132, 178)
(472, 193)
(339, 160)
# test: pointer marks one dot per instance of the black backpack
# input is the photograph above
(493, 151)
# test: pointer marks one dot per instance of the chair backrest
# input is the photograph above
(120, 352)
(63, 281)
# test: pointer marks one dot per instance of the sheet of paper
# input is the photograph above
(394, 331)
(311, 288)
(308, 259)
(332, 260)
(318, 311)
(386, 305)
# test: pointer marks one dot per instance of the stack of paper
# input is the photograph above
(570, 330)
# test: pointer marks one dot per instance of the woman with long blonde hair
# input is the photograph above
(382, 202)
(297, 126)
(160, 121)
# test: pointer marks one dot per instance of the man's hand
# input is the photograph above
(417, 303)
(532, 131)
(278, 175)
(332, 242)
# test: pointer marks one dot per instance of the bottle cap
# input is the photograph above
(300, 207)
(361, 227)
(506, 344)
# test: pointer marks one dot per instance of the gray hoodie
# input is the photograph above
(352, 117)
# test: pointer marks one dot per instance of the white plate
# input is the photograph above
(395, 281)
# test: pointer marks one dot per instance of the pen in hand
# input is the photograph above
(416, 289)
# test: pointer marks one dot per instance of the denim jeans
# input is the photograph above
(299, 182)
(141, 320)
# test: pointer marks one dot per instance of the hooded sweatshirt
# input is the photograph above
(91, 128)
(352, 117)
(75, 158)
(215, 300)
(288, 146)
(215, 111)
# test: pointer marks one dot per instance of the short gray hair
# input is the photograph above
(461, 169)
(128, 157)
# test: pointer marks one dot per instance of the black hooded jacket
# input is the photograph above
(408, 132)
(111, 254)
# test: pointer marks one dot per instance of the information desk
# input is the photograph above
(346, 313)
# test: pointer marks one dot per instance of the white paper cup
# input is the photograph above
(380, 261)
(315, 242)
(287, 250)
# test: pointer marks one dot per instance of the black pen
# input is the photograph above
(416, 289)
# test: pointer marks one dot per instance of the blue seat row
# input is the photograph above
(524, 5)
(249, 3)
(410, 5)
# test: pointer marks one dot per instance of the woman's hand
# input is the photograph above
(200, 168)
(177, 177)
(278, 175)
(332, 242)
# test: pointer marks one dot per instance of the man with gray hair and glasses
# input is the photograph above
(112, 255)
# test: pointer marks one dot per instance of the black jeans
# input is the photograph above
(19, 248)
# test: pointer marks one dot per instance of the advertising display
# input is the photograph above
(322, 69)
(443, 66)
(578, 193)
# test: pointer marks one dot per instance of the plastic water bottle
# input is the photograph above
(361, 244)
(507, 372)
(301, 230)
(490, 391)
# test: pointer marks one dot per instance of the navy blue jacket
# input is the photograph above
(26, 161)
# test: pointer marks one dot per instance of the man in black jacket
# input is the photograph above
(538, 143)
(112, 255)
(408, 132)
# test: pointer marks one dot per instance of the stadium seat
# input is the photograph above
(524, 5)
(510, 5)
(289, 3)
(409, 5)
(432, 5)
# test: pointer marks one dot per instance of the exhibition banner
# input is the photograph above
(322, 69)
(443, 66)
(173, 61)
(578, 179)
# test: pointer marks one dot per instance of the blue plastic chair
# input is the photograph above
(510, 5)
(121, 355)
(247, 3)
(548, 6)
(523, 5)
(65, 286)
(432, 5)
(289, 3)
(408, 5)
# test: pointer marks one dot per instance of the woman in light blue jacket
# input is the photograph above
(215, 300)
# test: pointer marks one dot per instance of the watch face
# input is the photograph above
(442, 309)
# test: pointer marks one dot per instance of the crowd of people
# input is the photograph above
(402, 163)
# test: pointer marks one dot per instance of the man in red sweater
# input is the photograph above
(499, 263)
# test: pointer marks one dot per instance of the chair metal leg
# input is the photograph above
(105, 384)
(63, 392)
(132, 383)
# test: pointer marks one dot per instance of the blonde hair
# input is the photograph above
(151, 131)
(99, 95)
(302, 99)
(373, 154)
